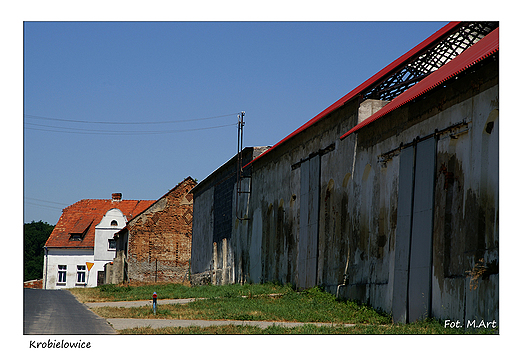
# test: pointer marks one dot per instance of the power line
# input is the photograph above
(28, 116)
(43, 206)
(36, 199)
(118, 132)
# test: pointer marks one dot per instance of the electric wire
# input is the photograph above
(29, 116)
(127, 132)
(72, 130)
(36, 199)
(44, 206)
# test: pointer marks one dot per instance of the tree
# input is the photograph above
(35, 236)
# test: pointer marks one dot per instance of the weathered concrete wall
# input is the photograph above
(359, 185)
(277, 252)
(201, 257)
(159, 239)
(410, 202)
(217, 250)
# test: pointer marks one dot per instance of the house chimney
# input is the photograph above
(117, 197)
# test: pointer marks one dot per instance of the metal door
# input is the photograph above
(403, 234)
(309, 215)
(420, 280)
(413, 248)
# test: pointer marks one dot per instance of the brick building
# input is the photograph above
(156, 244)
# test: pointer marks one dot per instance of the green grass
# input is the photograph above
(312, 305)
(173, 291)
(256, 302)
(419, 328)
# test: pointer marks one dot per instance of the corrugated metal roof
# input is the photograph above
(482, 49)
(374, 80)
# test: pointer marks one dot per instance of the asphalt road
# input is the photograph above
(57, 312)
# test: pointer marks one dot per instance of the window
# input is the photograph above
(113, 223)
(81, 274)
(111, 244)
(62, 273)
(75, 237)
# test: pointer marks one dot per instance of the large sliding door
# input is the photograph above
(413, 256)
(309, 215)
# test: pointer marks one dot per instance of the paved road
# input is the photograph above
(57, 312)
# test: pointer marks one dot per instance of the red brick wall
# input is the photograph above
(159, 247)
(33, 284)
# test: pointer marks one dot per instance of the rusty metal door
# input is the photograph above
(309, 215)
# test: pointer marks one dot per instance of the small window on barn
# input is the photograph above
(113, 223)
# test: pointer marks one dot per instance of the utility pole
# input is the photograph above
(240, 170)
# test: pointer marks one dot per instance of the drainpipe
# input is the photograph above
(345, 276)
(46, 267)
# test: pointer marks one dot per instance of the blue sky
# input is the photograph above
(136, 107)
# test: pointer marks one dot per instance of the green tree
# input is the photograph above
(35, 236)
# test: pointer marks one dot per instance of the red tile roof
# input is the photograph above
(82, 218)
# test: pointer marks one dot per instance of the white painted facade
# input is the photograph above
(65, 268)
(104, 247)
(73, 260)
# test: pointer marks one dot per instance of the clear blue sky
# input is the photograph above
(155, 78)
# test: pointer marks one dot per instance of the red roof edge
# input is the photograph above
(431, 40)
(480, 50)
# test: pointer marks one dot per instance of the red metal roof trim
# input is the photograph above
(482, 49)
(379, 76)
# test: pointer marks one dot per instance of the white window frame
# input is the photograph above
(62, 274)
(81, 274)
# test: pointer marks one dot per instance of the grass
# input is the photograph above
(256, 302)
(312, 305)
(419, 328)
(173, 291)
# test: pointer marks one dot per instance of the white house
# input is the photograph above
(82, 241)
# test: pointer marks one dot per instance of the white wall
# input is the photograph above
(71, 258)
(100, 255)
(105, 231)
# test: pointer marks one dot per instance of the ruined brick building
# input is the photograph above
(155, 245)
(389, 196)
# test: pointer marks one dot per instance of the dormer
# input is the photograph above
(77, 233)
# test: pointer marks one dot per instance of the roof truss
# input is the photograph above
(430, 60)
